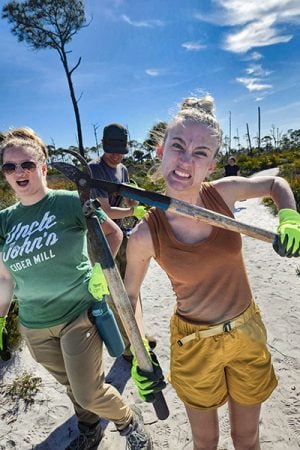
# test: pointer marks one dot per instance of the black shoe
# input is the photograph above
(137, 438)
(88, 439)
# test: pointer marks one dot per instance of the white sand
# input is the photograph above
(49, 424)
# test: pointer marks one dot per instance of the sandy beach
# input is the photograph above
(49, 423)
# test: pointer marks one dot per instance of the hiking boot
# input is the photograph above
(137, 438)
(88, 439)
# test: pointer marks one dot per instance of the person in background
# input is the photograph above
(43, 237)
(231, 168)
(110, 168)
(218, 341)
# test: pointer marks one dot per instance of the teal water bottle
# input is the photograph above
(108, 328)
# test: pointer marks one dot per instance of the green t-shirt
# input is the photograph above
(44, 247)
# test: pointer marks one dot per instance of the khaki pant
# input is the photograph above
(72, 353)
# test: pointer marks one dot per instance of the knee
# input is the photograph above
(245, 441)
(86, 398)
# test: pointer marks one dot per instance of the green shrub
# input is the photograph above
(13, 334)
(20, 392)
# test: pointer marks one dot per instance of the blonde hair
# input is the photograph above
(24, 137)
(199, 110)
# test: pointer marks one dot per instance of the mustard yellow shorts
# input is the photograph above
(237, 363)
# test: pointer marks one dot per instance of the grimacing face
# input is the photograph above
(188, 154)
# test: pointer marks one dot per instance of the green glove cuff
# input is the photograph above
(133, 183)
(97, 284)
(139, 211)
(146, 345)
(102, 216)
(289, 231)
(289, 215)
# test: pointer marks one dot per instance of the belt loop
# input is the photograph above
(227, 327)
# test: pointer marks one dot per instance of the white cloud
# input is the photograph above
(260, 22)
(193, 46)
(255, 56)
(256, 34)
(153, 72)
(254, 84)
(239, 12)
(257, 70)
(151, 23)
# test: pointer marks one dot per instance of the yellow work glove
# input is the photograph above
(139, 211)
(288, 243)
(97, 284)
(147, 383)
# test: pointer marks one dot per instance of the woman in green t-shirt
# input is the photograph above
(44, 262)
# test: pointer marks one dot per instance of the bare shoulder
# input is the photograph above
(230, 189)
(140, 240)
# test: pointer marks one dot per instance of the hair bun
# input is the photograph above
(205, 104)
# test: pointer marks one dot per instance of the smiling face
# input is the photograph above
(188, 155)
(113, 159)
(29, 185)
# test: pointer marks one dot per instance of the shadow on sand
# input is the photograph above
(118, 376)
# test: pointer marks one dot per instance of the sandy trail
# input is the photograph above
(49, 423)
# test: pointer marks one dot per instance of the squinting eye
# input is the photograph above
(177, 146)
(200, 154)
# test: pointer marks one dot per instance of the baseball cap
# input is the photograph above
(115, 139)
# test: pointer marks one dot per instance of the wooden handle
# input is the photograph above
(219, 220)
(100, 252)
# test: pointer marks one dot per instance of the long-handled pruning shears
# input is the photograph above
(100, 252)
(85, 181)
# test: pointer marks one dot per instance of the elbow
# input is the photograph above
(116, 239)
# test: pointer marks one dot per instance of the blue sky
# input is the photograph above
(141, 58)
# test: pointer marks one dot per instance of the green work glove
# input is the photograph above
(288, 241)
(148, 383)
(97, 284)
(2, 326)
(139, 211)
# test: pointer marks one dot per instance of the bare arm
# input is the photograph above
(239, 188)
(6, 288)
(139, 253)
(113, 234)
(115, 212)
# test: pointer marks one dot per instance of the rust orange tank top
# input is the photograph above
(208, 277)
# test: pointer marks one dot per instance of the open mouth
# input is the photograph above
(22, 183)
(180, 174)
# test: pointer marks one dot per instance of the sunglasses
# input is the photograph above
(27, 166)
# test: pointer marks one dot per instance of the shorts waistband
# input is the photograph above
(224, 327)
